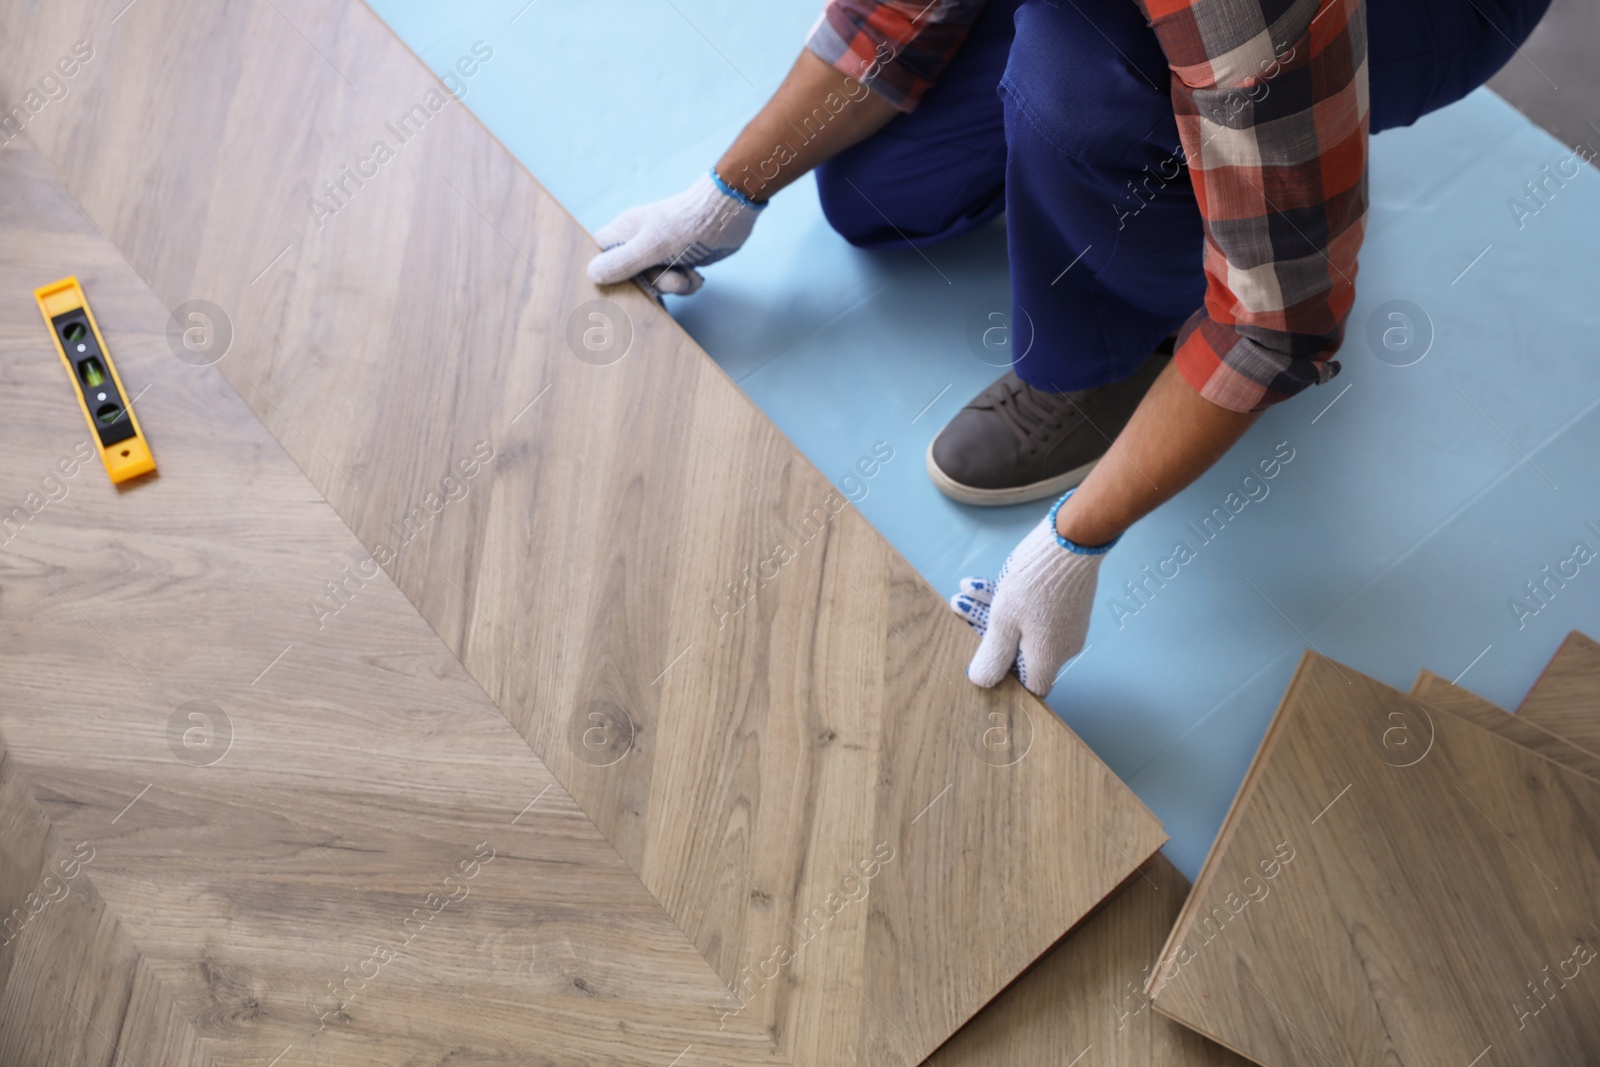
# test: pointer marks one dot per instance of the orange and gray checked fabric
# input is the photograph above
(1271, 102)
(1270, 98)
(898, 47)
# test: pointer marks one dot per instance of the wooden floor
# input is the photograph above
(1393, 884)
(746, 701)
(248, 877)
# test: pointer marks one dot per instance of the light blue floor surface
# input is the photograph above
(1417, 503)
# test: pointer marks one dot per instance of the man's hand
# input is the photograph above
(662, 243)
(666, 240)
(1037, 615)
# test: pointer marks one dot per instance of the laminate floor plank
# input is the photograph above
(1437, 691)
(1084, 1001)
(1428, 894)
(287, 843)
(1566, 698)
(1070, 998)
(639, 560)
(73, 987)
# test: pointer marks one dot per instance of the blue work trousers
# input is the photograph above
(1067, 127)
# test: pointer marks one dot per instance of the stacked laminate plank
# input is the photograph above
(1435, 879)
(1566, 699)
(1521, 728)
(1087, 996)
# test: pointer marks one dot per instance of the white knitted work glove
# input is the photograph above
(666, 240)
(1037, 615)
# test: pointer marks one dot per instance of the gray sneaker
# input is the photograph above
(1014, 443)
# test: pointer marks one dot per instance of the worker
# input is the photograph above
(1184, 184)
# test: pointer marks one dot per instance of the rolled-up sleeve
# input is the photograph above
(1271, 102)
(897, 48)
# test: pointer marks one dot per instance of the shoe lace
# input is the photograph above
(1030, 413)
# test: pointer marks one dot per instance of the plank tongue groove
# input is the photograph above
(1434, 893)
(752, 696)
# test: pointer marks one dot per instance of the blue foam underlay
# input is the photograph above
(1411, 514)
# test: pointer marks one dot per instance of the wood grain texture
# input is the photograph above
(1439, 692)
(1421, 885)
(782, 693)
(73, 988)
(1084, 1001)
(288, 881)
(1566, 698)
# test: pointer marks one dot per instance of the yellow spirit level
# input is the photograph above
(100, 392)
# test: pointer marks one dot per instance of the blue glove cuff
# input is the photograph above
(1073, 546)
(733, 194)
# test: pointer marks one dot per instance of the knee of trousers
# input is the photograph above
(876, 195)
(844, 186)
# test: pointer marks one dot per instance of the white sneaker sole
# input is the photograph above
(995, 498)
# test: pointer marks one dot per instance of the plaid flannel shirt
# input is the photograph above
(1271, 102)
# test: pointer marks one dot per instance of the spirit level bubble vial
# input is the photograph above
(100, 393)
